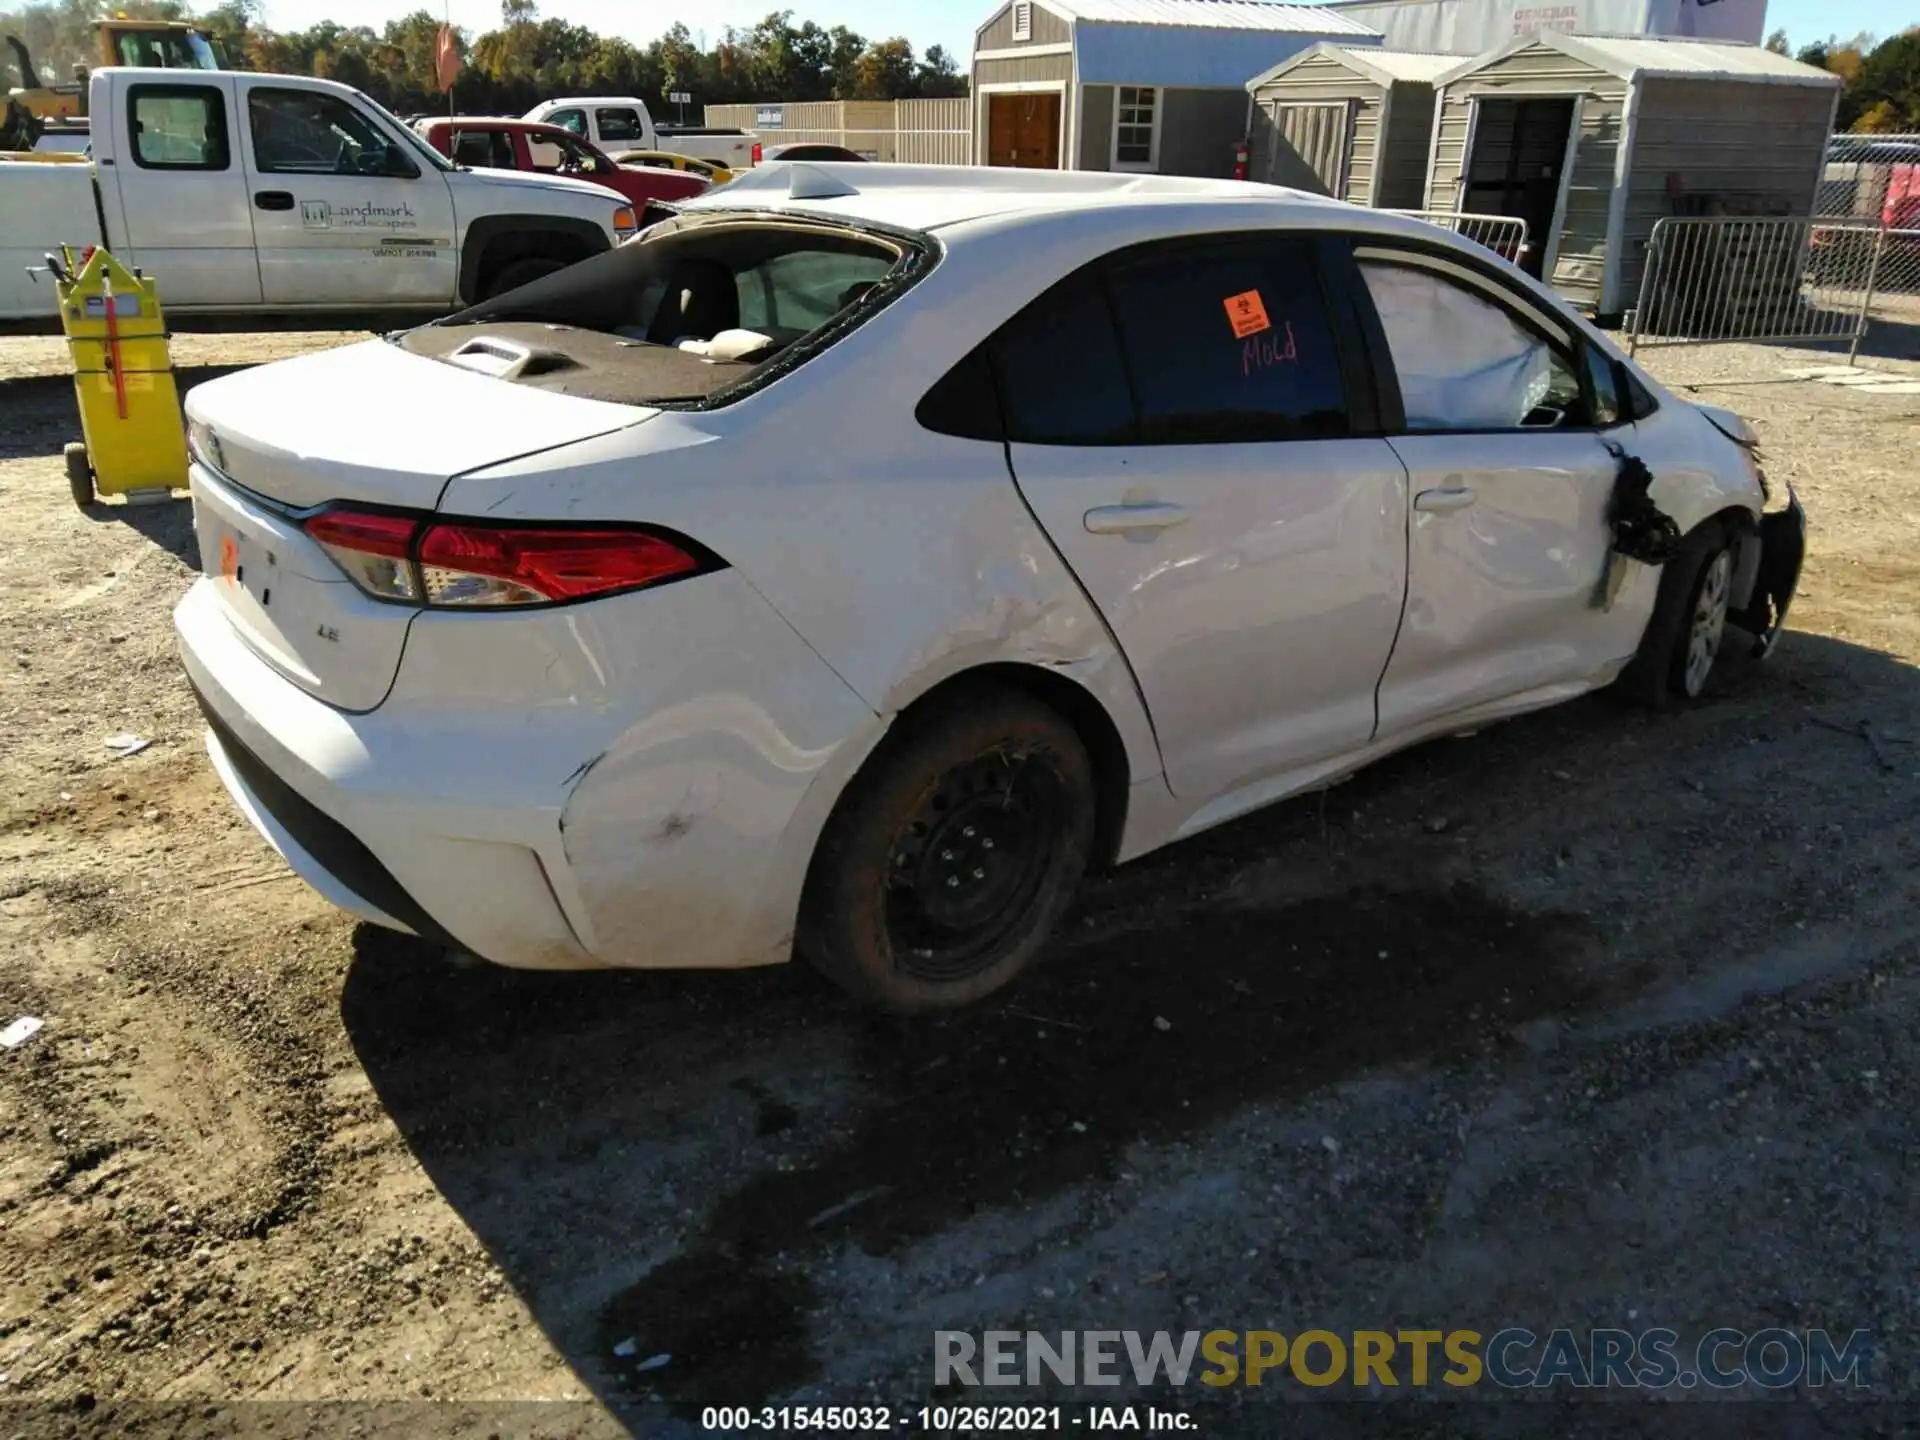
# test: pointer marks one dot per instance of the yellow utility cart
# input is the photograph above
(136, 443)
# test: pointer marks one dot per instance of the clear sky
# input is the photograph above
(925, 22)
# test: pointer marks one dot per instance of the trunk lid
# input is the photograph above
(366, 424)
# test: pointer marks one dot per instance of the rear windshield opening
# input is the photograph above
(689, 311)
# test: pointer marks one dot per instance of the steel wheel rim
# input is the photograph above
(965, 869)
(1709, 622)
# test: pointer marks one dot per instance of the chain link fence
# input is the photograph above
(1824, 277)
(1875, 180)
(1505, 235)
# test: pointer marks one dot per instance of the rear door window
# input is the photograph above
(1229, 343)
(620, 125)
(488, 149)
(1058, 369)
(178, 127)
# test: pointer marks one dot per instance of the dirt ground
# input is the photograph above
(1595, 1018)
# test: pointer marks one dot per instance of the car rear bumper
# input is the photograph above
(316, 784)
(499, 803)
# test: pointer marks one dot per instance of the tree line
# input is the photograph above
(1881, 80)
(525, 60)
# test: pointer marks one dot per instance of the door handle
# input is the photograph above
(1146, 517)
(1439, 502)
(273, 199)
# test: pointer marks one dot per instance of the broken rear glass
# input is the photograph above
(691, 311)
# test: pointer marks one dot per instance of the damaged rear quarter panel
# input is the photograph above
(658, 749)
(679, 838)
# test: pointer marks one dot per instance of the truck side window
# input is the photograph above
(178, 127)
(623, 124)
(574, 120)
(488, 149)
(302, 132)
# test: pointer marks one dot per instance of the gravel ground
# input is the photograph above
(1596, 1018)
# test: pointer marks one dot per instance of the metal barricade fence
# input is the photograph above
(1505, 235)
(1720, 279)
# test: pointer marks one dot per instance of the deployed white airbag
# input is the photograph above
(1464, 362)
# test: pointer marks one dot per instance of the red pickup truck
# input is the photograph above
(549, 150)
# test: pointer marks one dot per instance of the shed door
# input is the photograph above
(1311, 144)
(1023, 130)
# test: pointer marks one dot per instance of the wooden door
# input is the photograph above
(1023, 131)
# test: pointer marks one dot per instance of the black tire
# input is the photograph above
(521, 272)
(79, 474)
(991, 790)
(1661, 674)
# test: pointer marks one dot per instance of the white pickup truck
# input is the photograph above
(275, 194)
(622, 122)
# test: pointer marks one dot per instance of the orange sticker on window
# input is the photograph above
(1248, 312)
(229, 558)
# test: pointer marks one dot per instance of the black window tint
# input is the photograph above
(178, 127)
(1057, 366)
(1639, 398)
(620, 125)
(963, 403)
(1229, 343)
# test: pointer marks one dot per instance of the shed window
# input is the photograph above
(1023, 20)
(1136, 138)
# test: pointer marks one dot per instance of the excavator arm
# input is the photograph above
(42, 102)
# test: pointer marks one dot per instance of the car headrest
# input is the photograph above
(700, 302)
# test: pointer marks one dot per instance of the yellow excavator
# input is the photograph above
(169, 44)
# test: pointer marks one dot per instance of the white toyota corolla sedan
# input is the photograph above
(848, 563)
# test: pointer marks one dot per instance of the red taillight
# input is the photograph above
(405, 558)
(756, 152)
(372, 550)
(368, 534)
(475, 565)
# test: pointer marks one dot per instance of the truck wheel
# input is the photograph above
(522, 272)
(951, 855)
(79, 474)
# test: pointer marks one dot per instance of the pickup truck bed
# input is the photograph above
(245, 194)
(61, 200)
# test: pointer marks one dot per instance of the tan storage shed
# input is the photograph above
(1153, 86)
(1595, 139)
(1347, 121)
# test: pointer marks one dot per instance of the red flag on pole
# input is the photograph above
(446, 57)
